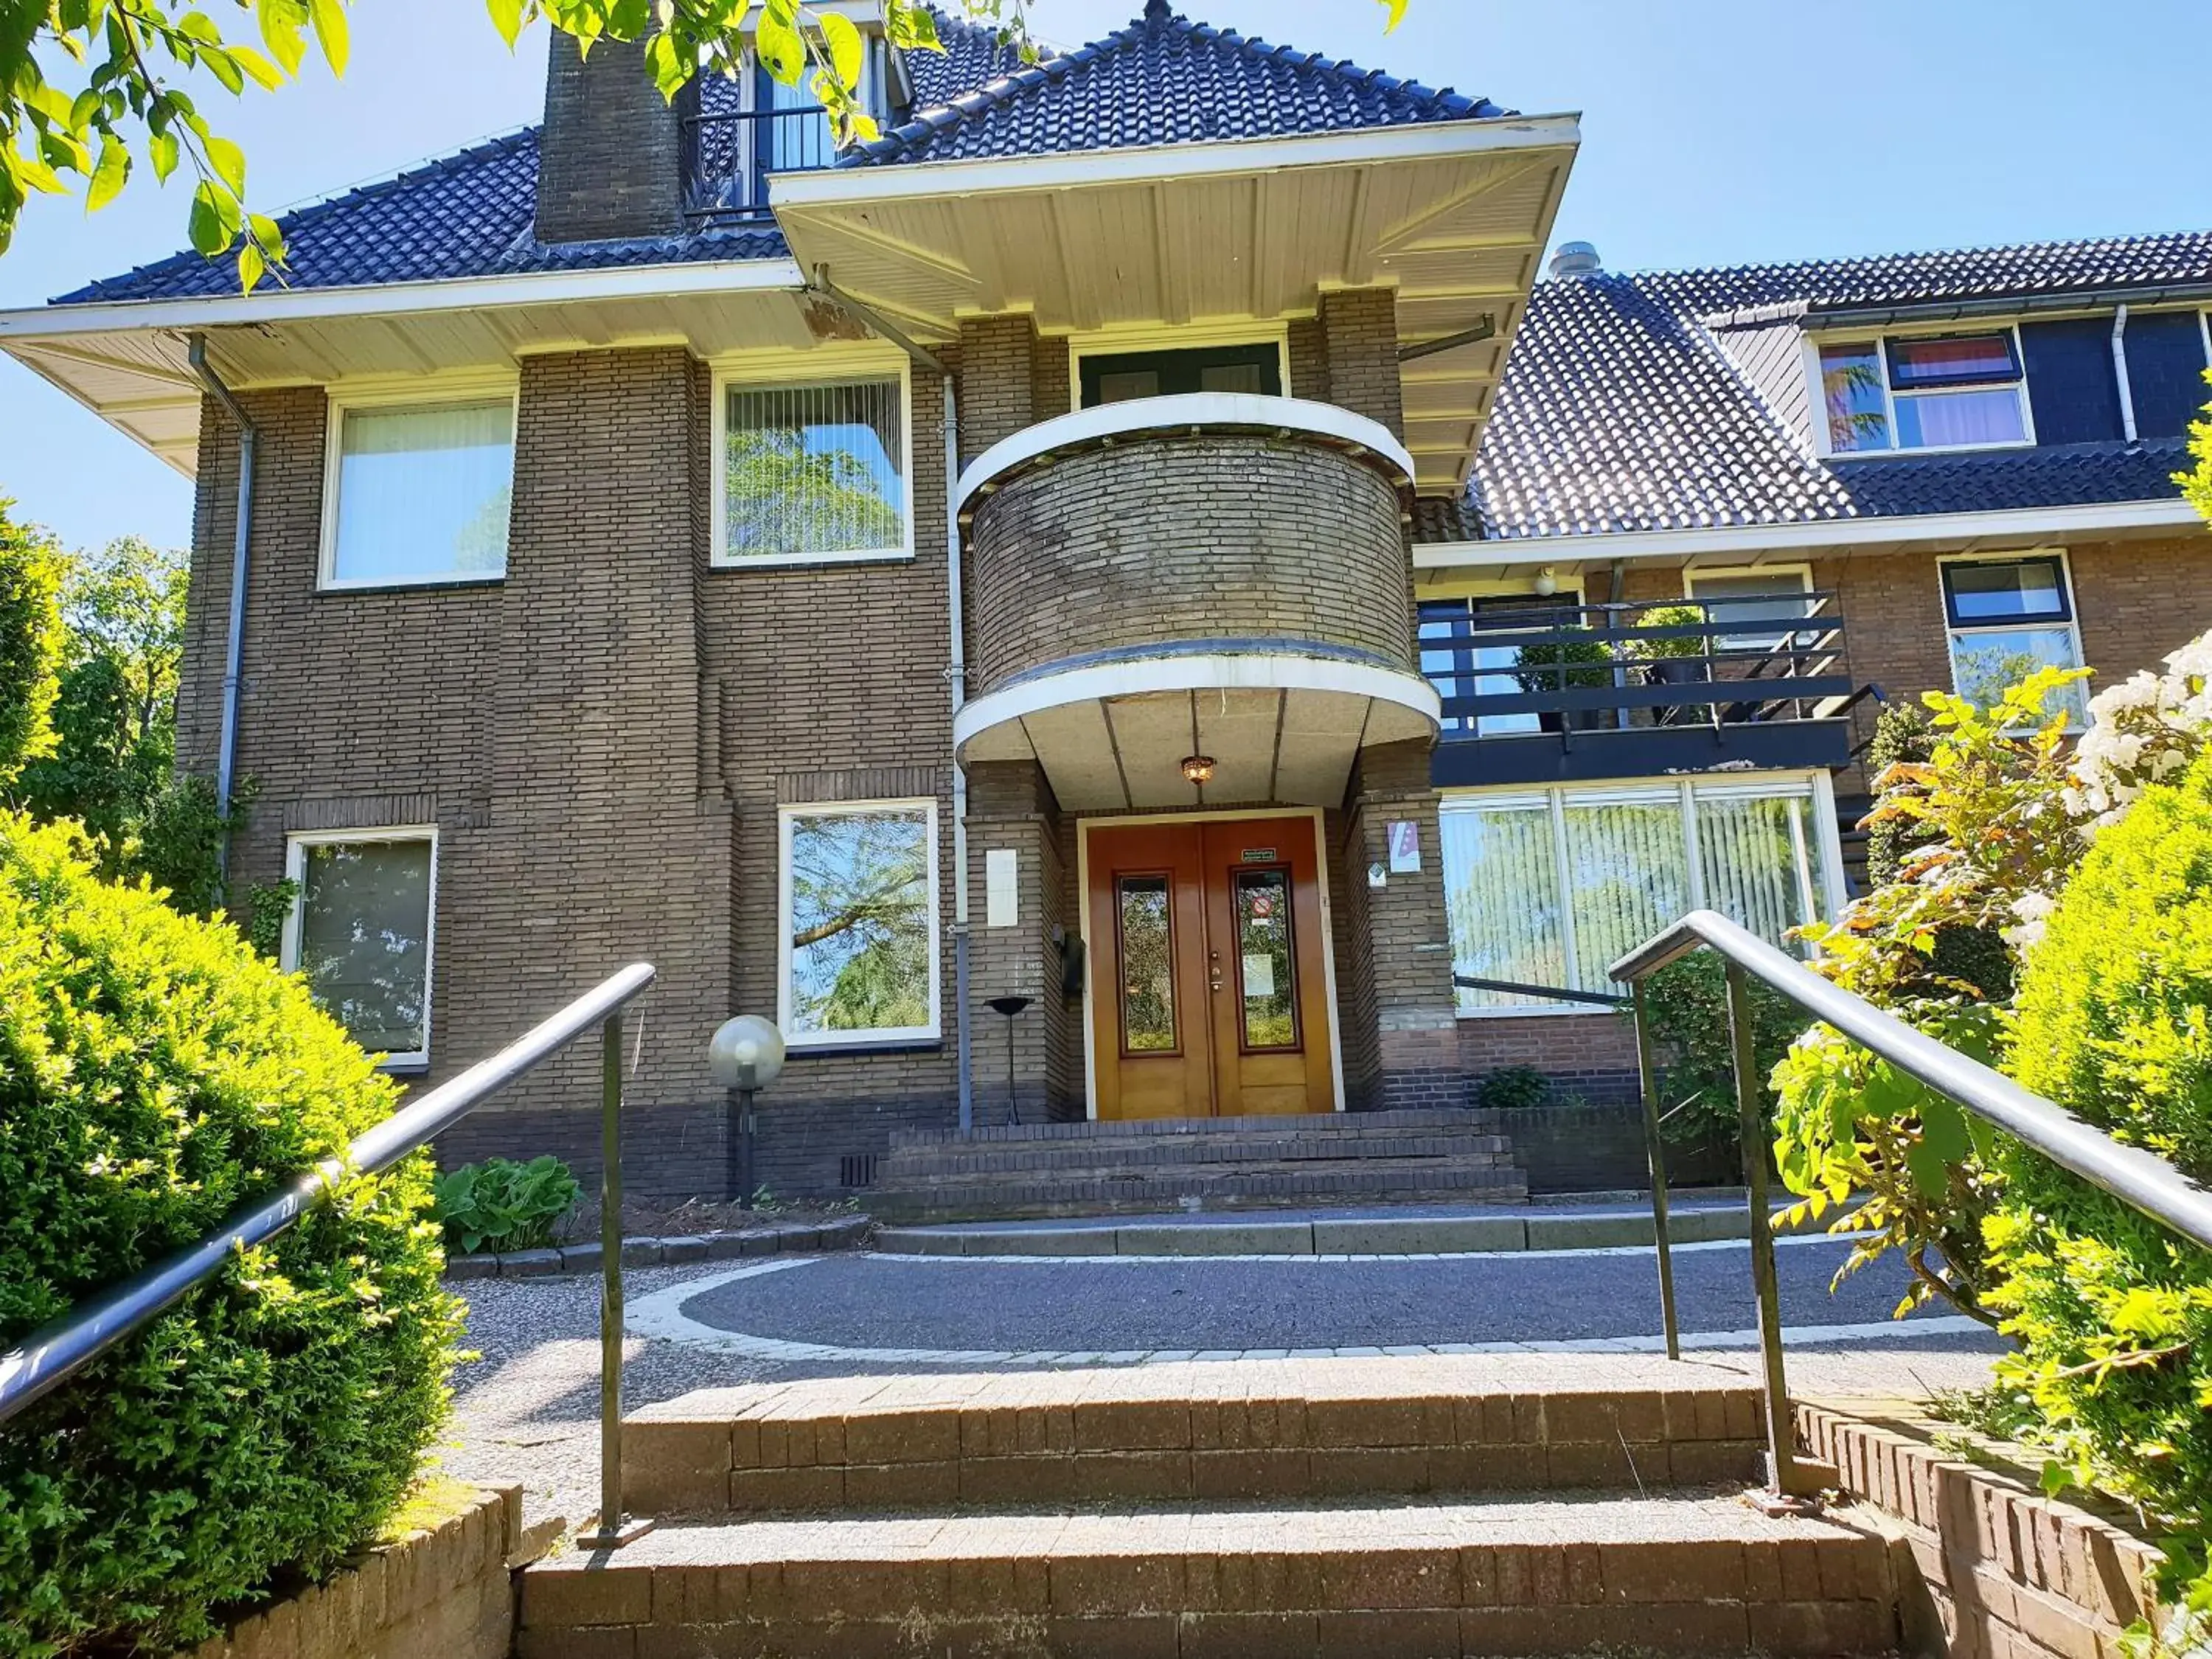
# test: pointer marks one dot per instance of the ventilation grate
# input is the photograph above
(857, 1171)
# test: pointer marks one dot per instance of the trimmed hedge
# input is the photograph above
(2114, 1313)
(154, 1074)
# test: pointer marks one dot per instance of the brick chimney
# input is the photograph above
(610, 156)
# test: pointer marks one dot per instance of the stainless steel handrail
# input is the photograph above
(50, 1355)
(2139, 1178)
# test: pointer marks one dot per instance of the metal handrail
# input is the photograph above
(2137, 1177)
(1555, 993)
(50, 1355)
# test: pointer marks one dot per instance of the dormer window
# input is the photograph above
(1924, 391)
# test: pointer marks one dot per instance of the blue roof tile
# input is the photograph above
(1647, 401)
(1163, 80)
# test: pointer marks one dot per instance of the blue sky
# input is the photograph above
(1715, 131)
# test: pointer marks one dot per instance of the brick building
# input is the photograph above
(1138, 538)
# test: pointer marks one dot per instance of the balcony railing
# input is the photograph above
(1641, 680)
(727, 159)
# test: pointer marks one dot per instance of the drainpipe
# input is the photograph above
(2120, 373)
(234, 640)
(955, 675)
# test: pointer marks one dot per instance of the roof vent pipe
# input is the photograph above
(1575, 259)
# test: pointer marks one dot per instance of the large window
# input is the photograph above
(814, 472)
(1121, 377)
(1924, 391)
(360, 932)
(1752, 608)
(418, 492)
(2005, 618)
(1547, 889)
(859, 923)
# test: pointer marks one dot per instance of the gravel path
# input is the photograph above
(527, 1409)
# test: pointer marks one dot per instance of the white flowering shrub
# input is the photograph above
(2143, 731)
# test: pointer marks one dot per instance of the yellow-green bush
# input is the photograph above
(2114, 1312)
(156, 1074)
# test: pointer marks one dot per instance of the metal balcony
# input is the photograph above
(1536, 691)
(728, 160)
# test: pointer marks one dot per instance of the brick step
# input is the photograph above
(1379, 1182)
(958, 1160)
(1685, 1575)
(1344, 1123)
(1262, 1430)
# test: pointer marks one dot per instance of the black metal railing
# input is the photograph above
(2137, 1177)
(1588, 667)
(50, 1355)
(729, 159)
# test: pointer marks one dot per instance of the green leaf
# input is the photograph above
(2055, 1478)
(108, 177)
(912, 28)
(224, 67)
(282, 23)
(782, 53)
(1930, 1174)
(507, 18)
(209, 232)
(1397, 10)
(1943, 1126)
(846, 54)
(331, 32)
(229, 161)
(262, 73)
(252, 267)
(161, 150)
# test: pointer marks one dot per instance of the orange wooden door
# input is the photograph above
(1209, 994)
(1267, 987)
(1150, 1029)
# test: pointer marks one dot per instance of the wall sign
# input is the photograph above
(1405, 847)
(1259, 855)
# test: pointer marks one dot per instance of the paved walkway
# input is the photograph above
(527, 1409)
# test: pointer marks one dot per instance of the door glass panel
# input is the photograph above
(1148, 1016)
(1266, 975)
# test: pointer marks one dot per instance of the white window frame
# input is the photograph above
(1825, 853)
(1824, 444)
(1802, 572)
(296, 871)
(2072, 624)
(788, 372)
(412, 393)
(912, 1036)
(1196, 337)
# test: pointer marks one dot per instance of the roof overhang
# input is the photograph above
(126, 362)
(1750, 545)
(1455, 216)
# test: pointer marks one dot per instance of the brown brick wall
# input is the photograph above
(1011, 807)
(1398, 939)
(1184, 537)
(1361, 328)
(1593, 1055)
(610, 158)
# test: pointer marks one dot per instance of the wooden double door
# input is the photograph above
(1209, 983)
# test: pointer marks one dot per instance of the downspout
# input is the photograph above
(955, 675)
(233, 653)
(2120, 373)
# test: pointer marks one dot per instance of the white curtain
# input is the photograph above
(1628, 877)
(815, 470)
(1501, 883)
(1751, 852)
(1939, 420)
(423, 492)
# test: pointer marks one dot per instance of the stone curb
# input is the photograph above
(809, 1238)
(1368, 1236)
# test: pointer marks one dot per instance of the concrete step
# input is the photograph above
(1381, 1180)
(967, 1159)
(1678, 1575)
(1262, 1234)
(1262, 1431)
(1446, 1119)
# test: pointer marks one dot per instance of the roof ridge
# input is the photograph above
(2043, 244)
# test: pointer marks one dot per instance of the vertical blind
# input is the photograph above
(423, 492)
(1548, 890)
(815, 471)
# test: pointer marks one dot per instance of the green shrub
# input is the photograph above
(2114, 1312)
(1553, 665)
(1669, 616)
(1513, 1089)
(154, 1074)
(1686, 1004)
(31, 639)
(500, 1205)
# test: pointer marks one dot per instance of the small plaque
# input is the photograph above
(1259, 855)
(1405, 847)
(1259, 975)
(1377, 876)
